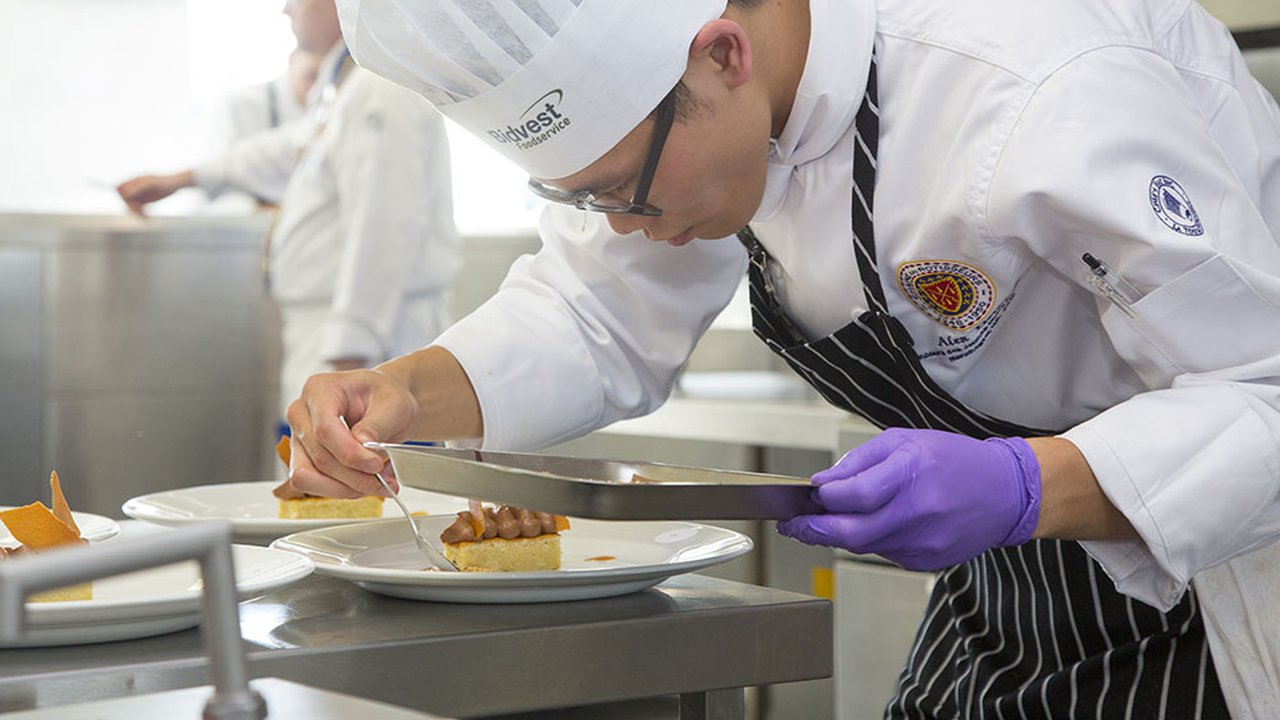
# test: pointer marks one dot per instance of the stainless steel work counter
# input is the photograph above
(763, 408)
(698, 637)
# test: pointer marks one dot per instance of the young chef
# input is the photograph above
(1040, 241)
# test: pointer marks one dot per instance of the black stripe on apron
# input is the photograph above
(1035, 631)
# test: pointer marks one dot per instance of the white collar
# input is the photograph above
(841, 36)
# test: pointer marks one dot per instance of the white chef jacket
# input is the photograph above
(239, 116)
(251, 109)
(1016, 135)
(258, 164)
(365, 247)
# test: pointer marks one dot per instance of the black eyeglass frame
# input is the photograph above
(585, 200)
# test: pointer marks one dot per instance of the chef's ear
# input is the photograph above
(724, 44)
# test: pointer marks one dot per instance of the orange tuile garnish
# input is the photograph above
(282, 450)
(562, 522)
(61, 509)
(36, 527)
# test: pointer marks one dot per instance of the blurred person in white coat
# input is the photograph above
(1037, 241)
(363, 249)
(252, 155)
(248, 111)
(252, 109)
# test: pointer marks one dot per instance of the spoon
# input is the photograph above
(437, 558)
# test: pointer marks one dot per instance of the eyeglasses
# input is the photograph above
(585, 200)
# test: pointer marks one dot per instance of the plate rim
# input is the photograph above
(513, 580)
(104, 612)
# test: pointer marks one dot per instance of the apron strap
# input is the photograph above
(866, 143)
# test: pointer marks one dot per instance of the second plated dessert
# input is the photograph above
(296, 505)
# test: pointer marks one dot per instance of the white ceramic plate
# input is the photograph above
(155, 601)
(254, 511)
(599, 559)
(92, 527)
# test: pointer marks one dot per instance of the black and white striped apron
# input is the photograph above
(1035, 631)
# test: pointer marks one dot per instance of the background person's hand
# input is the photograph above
(143, 190)
(330, 460)
(925, 499)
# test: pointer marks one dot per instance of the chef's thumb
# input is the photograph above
(365, 432)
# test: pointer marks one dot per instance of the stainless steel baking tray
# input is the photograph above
(606, 489)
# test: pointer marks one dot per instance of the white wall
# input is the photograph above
(91, 90)
(96, 91)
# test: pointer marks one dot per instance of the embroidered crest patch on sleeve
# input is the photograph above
(1172, 205)
(953, 294)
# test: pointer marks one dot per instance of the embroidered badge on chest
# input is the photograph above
(956, 295)
(1173, 206)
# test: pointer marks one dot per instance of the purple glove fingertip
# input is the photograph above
(803, 528)
(1027, 471)
(864, 456)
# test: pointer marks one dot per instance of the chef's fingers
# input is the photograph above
(312, 469)
(856, 533)
(343, 458)
(129, 194)
(304, 477)
(870, 489)
(135, 207)
(325, 462)
(387, 472)
(141, 191)
(866, 455)
(388, 410)
(334, 402)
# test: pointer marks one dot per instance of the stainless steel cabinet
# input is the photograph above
(878, 608)
(135, 356)
(21, 372)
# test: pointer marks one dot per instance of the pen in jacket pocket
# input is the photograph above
(1110, 285)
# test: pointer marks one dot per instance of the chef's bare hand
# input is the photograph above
(330, 460)
(143, 190)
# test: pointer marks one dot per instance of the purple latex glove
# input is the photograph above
(925, 499)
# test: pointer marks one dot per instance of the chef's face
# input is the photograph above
(710, 177)
(314, 24)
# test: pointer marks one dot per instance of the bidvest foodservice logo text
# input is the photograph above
(536, 125)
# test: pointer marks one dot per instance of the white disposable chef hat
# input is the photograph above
(550, 84)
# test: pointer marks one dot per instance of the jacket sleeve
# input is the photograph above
(1175, 190)
(259, 164)
(591, 329)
